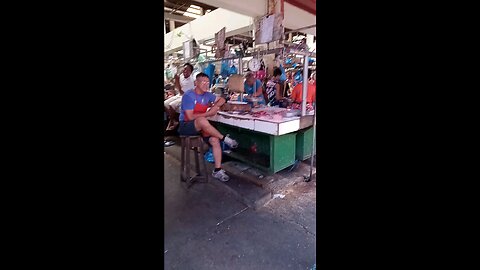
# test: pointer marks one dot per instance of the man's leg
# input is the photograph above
(175, 106)
(171, 111)
(202, 123)
(217, 155)
(171, 116)
(166, 105)
(217, 151)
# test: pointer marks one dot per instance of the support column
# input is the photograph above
(305, 85)
(240, 66)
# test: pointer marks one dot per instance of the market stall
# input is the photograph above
(270, 138)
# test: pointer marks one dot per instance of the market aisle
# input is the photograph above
(280, 235)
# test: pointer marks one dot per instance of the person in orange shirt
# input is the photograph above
(297, 93)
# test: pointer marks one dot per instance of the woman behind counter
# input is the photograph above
(255, 91)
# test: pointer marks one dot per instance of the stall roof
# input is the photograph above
(307, 5)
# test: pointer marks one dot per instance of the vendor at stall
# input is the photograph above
(183, 83)
(273, 90)
(193, 121)
(254, 88)
(297, 94)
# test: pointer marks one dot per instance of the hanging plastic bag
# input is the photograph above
(260, 74)
(298, 76)
(198, 67)
(209, 70)
(201, 58)
(209, 156)
(225, 71)
(168, 74)
(233, 70)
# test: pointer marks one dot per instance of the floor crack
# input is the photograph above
(301, 225)
(305, 228)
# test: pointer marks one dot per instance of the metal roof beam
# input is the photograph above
(178, 18)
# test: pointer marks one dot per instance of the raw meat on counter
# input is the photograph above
(235, 107)
(297, 106)
(272, 114)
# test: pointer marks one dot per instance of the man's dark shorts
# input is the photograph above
(188, 129)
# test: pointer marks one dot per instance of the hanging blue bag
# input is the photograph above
(210, 70)
(233, 70)
(209, 156)
(225, 71)
(298, 76)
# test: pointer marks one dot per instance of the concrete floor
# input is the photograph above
(280, 235)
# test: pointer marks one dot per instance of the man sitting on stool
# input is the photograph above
(183, 83)
(193, 120)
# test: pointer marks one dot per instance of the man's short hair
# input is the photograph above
(189, 65)
(201, 74)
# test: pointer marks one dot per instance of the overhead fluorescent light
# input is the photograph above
(193, 12)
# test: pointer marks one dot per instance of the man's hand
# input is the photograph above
(213, 110)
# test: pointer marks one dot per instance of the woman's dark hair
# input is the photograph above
(189, 65)
(277, 72)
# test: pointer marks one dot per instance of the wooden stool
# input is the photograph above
(194, 143)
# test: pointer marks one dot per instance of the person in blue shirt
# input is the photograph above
(253, 87)
(198, 104)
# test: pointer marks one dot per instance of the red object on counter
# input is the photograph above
(253, 148)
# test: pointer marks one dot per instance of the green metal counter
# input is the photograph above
(272, 149)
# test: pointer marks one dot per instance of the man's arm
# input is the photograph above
(192, 116)
(219, 101)
(259, 90)
(293, 95)
(278, 93)
(177, 84)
